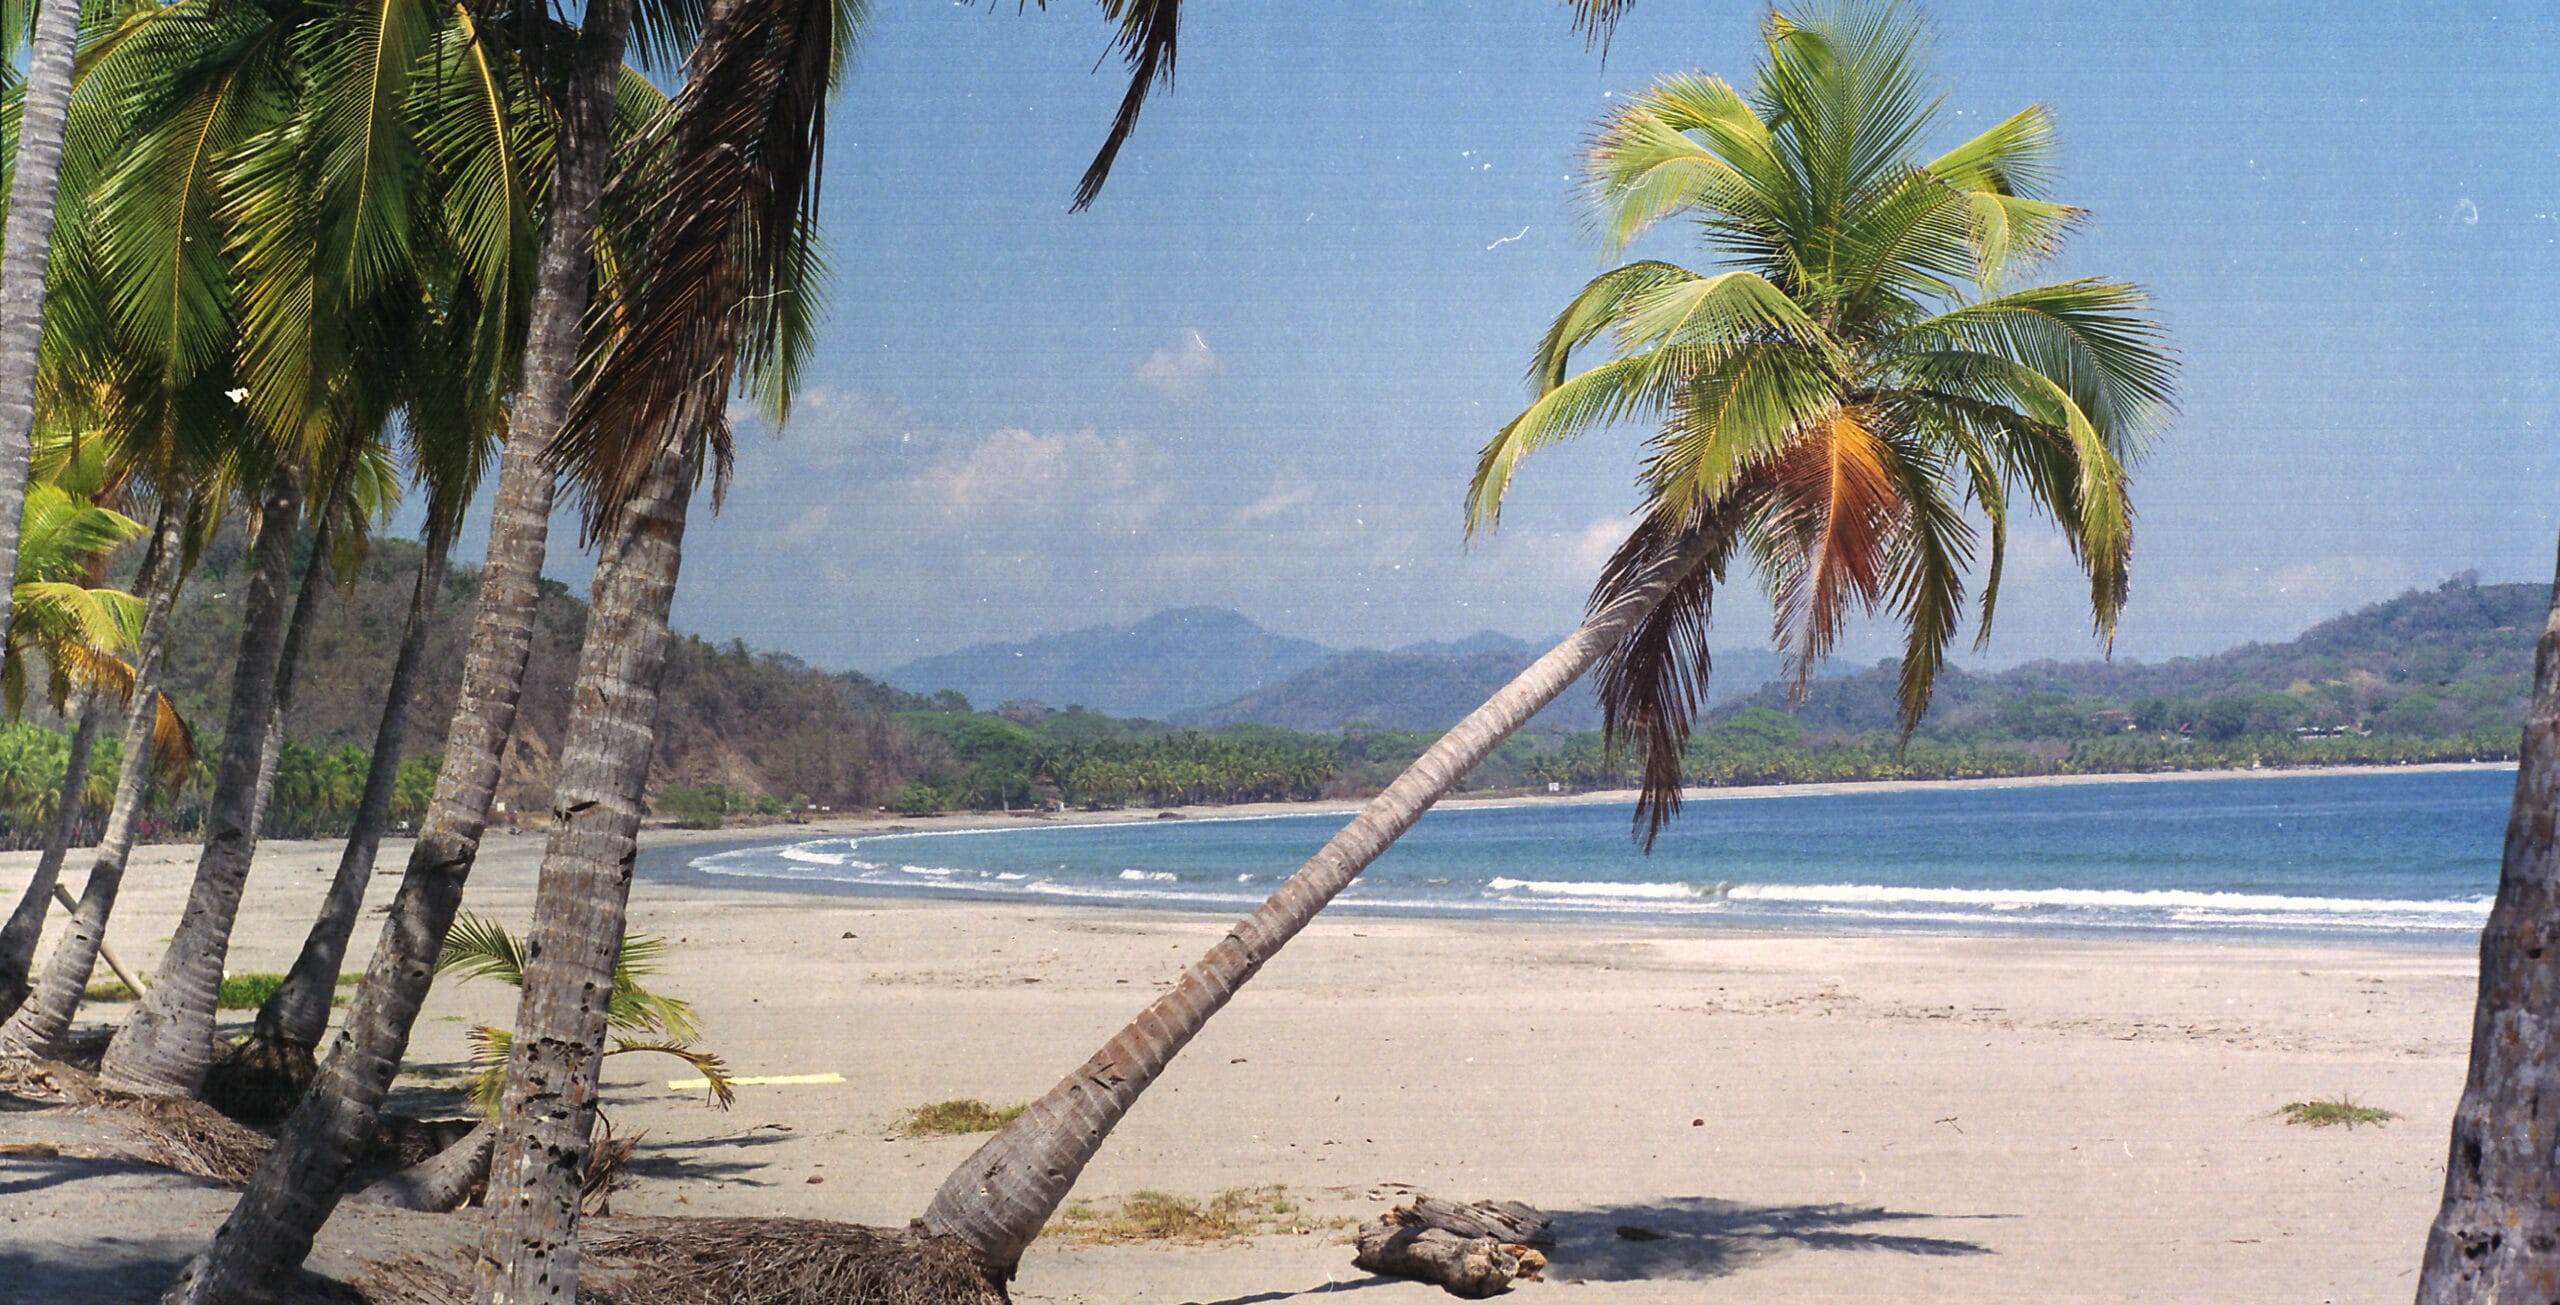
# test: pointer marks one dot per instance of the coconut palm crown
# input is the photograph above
(1857, 382)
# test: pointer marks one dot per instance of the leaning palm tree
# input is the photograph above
(715, 297)
(270, 1231)
(333, 243)
(82, 630)
(1827, 403)
(26, 248)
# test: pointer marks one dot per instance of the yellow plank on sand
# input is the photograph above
(762, 1080)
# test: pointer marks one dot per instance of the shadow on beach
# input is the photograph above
(1698, 1237)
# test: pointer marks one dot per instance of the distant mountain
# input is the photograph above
(1154, 668)
(1430, 686)
(1482, 641)
(1398, 690)
(2429, 663)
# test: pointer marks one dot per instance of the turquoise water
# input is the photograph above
(2360, 854)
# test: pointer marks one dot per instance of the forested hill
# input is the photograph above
(2436, 663)
(2439, 671)
(762, 724)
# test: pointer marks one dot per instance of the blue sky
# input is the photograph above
(1256, 372)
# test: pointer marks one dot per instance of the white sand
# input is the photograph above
(1807, 1118)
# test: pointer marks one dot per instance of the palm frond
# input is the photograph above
(1833, 512)
(1612, 391)
(1148, 32)
(477, 946)
(490, 1048)
(722, 1090)
(1689, 142)
(1651, 682)
(1926, 574)
(736, 183)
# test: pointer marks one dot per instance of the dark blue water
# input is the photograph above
(2361, 854)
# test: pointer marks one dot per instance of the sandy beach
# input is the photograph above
(1800, 1117)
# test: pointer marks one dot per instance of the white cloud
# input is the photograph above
(1180, 370)
(1290, 490)
(1015, 480)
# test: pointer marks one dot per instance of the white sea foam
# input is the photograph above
(1561, 888)
(2103, 898)
(1149, 876)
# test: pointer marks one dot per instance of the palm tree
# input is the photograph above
(644, 1022)
(81, 629)
(263, 1076)
(716, 294)
(1827, 403)
(336, 249)
(2497, 1235)
(26, 248)
(270, 1230)
(40, 1023)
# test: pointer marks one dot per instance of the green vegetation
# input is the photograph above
(238, 991)
(247, 991)
(946, 1118)
(709, 806)
(641, 1020)
(1161, 1216)
(2430, 676)
(2341, 1110)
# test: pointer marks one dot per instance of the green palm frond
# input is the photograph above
(1857, 381)
(722, 1090)
(477, 947)
(490, 1047)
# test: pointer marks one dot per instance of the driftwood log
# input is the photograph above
(1472, 1251)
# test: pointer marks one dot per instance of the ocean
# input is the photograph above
(2367, 855)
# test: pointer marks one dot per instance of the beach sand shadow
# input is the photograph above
(702, 1159)
(1273, 1297)
(109, 1271)
(1700, 1237)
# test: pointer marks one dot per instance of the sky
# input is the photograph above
(1255, 374)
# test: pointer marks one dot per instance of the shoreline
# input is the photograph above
(2051, 912)
(840, 823)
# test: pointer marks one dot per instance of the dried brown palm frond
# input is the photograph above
(1652, 681)
(785, 1262)
(714, 287)
(188, 1136)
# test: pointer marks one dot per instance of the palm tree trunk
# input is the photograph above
(269, 1232)
(999, 1199)
(166, 1044)
(441, 1182)
(26, 924)
(38, 1026)
(530, 1251)
(2497, 1237)
(297, 633)
(25, 250)
(298, 1013)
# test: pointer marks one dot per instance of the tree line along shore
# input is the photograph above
(2432, 676)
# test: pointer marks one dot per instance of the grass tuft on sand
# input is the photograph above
(1153, 1216)
(238, 991)
(949, 1118)
(2341, 1109)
